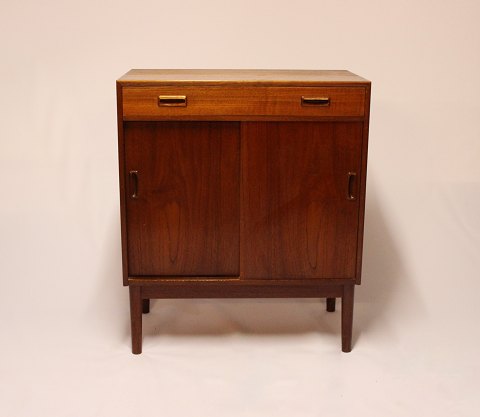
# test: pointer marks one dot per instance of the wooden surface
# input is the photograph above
(141, 103)
(136, 318)
(251, 201)
(121, 176)
(218, 290)
(331, 304)
(189, 282)
(185, 219)
(347, 317)
(363, 186)
(296, 219)
(240, 77)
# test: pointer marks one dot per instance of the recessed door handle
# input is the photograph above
(316, 101)
(351, 186)
(172, 101)
(133, 176)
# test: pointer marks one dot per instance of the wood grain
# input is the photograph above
(189, 282)
(250, 77)
(217, 290)
(141, 103)
(296, 219)
(185, 220)
(363, 186)
(243, 192)
(121, 169)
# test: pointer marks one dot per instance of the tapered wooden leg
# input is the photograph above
(136, 318)
(331, 304)
(146, 306)
(347, 317)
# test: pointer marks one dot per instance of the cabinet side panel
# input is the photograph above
(182, 205)
(363, 185)
(297, 220)
(121, 169)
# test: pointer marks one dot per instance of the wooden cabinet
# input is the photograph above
(243, 183)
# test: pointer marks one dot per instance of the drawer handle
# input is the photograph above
(350, 186)
(172, 101)
(133, 176)
(316, 101)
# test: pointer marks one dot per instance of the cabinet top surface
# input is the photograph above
(238, 77)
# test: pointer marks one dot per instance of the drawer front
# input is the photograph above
(163, 103)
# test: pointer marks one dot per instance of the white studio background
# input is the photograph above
(64, 332)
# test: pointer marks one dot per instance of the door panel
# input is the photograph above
(297, 220)
(184, 219)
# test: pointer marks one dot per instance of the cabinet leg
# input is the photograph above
(347, 317)
(146, 306)
(331, 304)
(136, 318)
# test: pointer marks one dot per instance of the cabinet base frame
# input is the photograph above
(144, 289)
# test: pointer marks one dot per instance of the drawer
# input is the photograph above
(219, 102)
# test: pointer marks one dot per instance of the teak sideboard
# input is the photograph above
(242, 183)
